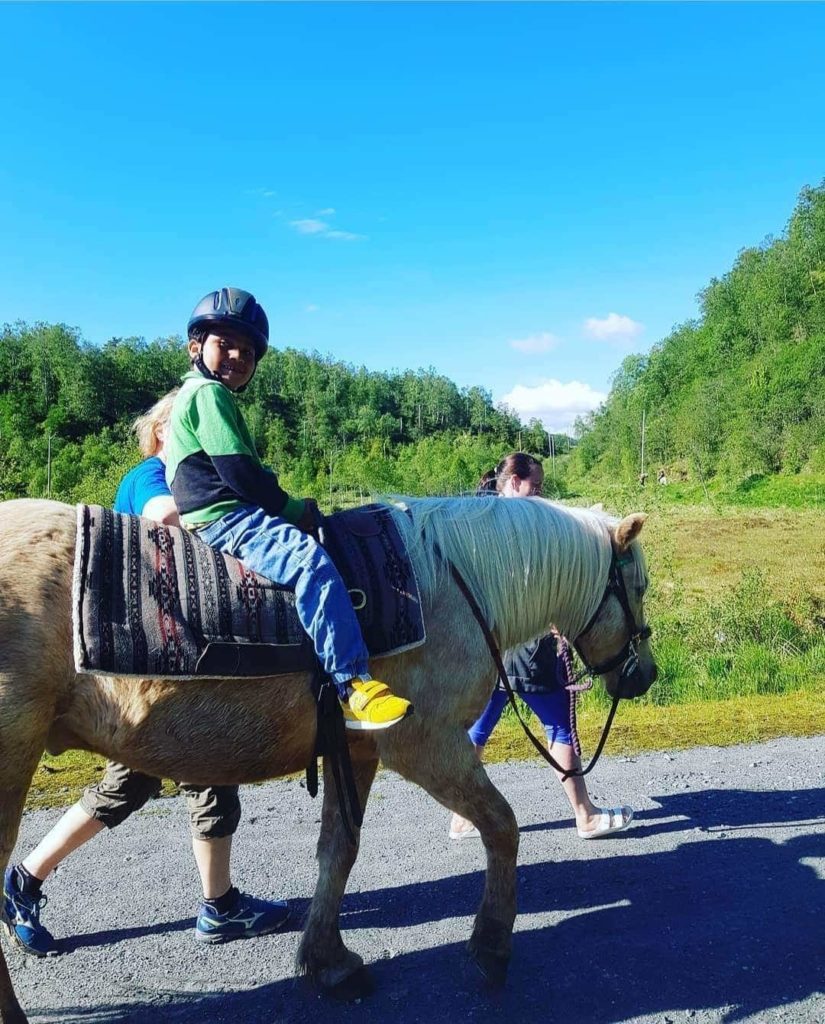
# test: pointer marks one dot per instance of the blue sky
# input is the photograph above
(516, 194)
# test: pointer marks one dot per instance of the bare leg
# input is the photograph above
(75, 828)
(588, 815)
(212, 858)
(575, 789)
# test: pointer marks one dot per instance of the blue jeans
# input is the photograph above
(552, 709)
(281, 552)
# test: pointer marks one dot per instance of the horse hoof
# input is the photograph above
(355, 986)
(493, 968)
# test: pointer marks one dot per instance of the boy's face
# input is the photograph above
(231, 357)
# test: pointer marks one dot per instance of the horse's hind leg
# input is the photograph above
(322, 955)
(12, 798)
(442, 761)
(22, 739)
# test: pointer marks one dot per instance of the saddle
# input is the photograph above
(151, 600)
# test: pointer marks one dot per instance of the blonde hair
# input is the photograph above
(147, 426)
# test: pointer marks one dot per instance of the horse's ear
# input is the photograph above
(598, 507)
(629, 529)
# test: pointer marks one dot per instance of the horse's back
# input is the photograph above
(37, 540)
(36, 508)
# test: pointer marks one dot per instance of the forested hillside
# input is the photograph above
(330, 429)
(738, 393)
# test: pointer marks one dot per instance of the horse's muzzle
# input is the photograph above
(634, 677)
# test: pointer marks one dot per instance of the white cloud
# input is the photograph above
(347, 236)
(314, 226)
(534, 344)
(311, 308)
(309, 226)
(553, 402)
(613, 327)
(328, 211)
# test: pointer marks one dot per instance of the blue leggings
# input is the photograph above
(552, 709)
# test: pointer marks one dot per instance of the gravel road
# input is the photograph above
(709, 909)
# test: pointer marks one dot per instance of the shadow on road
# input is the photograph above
(725, 921)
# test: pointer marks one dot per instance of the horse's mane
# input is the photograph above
(529, 563)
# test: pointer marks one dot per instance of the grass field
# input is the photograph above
(737, 605)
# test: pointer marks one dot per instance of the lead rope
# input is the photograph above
(508, 689)
(565, 673)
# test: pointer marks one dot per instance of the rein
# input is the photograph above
(627, 657)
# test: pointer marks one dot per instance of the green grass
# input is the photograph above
(802, 491)
(639, 727)
(799, 491)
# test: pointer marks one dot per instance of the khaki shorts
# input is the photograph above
(214, 811)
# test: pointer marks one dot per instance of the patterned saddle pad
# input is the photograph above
(152, 600)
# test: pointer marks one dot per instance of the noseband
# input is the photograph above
(628, 655)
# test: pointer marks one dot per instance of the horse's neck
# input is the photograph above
(563, 588)
(528, 566)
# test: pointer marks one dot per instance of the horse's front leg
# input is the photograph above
(442, 760)
(322, 954)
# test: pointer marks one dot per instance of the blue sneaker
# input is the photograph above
(248, 918)
(21, 918)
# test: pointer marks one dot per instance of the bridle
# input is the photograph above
(627, 656)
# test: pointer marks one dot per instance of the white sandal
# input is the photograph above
(613, 819)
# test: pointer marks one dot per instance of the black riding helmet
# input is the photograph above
(235, 309)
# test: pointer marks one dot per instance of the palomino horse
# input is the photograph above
(528, 563)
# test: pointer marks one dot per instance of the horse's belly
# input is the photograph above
(210, 732)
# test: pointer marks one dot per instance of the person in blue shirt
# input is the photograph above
(144, 492)
(214, 811)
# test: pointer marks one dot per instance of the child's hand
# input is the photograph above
(311, 518)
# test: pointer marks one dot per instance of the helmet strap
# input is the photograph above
(204, 371)
(243, 387)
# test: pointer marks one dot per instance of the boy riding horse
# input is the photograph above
(224, 492)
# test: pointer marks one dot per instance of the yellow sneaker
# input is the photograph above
(371, 705)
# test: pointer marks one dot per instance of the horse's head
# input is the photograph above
(615, 643)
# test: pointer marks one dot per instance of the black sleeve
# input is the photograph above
(251, 482)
